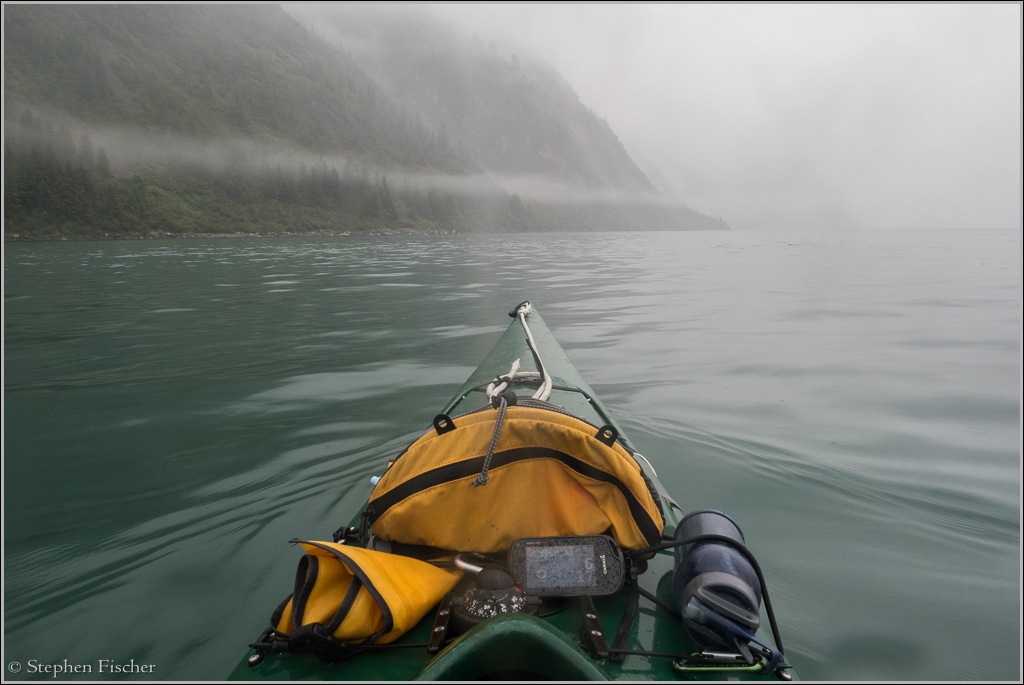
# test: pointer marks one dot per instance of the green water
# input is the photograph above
(175, 411)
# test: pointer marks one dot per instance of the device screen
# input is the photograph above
(567, 566)
(560, 566)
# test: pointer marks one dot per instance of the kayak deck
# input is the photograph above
(519, 646)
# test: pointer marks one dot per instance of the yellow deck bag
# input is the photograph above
(360, 594)
(550, 475)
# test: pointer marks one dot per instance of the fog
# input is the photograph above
(127, 147)
(823, 117)
(801, 116)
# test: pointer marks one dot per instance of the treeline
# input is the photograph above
(57, 183)
(60, 183)
(355, 191)
(53, 183)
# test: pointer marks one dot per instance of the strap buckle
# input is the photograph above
(314, 639)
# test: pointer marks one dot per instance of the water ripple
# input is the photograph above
(853, 399)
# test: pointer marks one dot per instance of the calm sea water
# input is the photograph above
(175, 411)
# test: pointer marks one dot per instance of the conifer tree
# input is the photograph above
(102, 164)
(390, 213)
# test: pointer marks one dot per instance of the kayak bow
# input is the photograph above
(554, 549)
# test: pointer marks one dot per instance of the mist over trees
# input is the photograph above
(215, 73)
(515, 116)
(53, 184)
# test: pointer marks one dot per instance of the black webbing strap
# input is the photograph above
(654, 598)
(626, 624)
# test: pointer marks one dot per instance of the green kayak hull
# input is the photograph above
(520, 646)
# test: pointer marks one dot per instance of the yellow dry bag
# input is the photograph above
(477, 483)
(348, 594)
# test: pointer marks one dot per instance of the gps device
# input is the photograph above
(567, 566)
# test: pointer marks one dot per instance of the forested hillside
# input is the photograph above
(210, 71)
(513, 114)
(268, 127)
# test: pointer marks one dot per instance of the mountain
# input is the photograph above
(211, 118)
(514, 115)
(209, 71)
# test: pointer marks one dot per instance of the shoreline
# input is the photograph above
(85, 237)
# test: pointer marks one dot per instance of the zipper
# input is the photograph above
(471, 467)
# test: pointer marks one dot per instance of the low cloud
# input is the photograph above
(127, 148)
(812, 116)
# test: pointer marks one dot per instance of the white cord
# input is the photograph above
(545, 388)
(492, 391)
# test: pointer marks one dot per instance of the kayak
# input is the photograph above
(523, 537)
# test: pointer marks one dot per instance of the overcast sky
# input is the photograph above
(805, 116)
